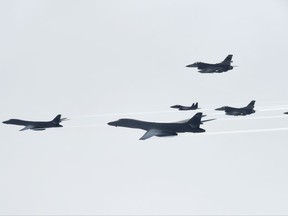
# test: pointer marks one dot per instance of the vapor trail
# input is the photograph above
(242, 131)
(251, 118)
(85, 126)
(222, 119)
(163, 111)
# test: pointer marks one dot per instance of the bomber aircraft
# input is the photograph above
(249, 109)
(163, 129)
(214, 68)
(192, 107)
(37, 125)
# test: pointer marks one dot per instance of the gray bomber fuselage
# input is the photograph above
(163, 129)
(36, 125)
(169, 127)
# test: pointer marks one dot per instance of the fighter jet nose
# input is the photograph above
(220, 108)
(5, 122)
(190, 65)
(112, 123)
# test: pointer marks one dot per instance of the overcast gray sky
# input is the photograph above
(98, 61)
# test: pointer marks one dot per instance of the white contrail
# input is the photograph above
(242, 131)
(251, 118)
(272, 109)
(220, 119)
(120, 114)
(223, 119)
(85, 126)
(163, 111)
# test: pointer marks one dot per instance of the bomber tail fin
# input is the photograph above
(195, 121)
(57, 119)
(227, 60)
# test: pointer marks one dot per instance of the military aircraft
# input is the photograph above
(37, 125)
(249, 109)
(163, 129)
(192, 107)
(214, 68)
(285, 112)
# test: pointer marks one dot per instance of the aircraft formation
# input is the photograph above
(158, 129)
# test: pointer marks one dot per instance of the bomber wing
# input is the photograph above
(32, 127)
(28, 127)
(156, 132)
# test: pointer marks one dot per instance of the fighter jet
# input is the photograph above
(249, 109)
(37, 125)
(214, 68)
(192, 107)
(163, 129)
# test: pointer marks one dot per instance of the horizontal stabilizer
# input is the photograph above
(202, 121)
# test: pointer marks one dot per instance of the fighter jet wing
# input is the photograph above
(156, 132)
(208, 70)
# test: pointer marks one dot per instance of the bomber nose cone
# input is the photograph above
(5, 122)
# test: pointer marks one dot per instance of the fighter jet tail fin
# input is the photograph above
(195, 121)
(251, 104)
(227, 60)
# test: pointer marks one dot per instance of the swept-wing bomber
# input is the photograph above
(36, 125)
(163, 129)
